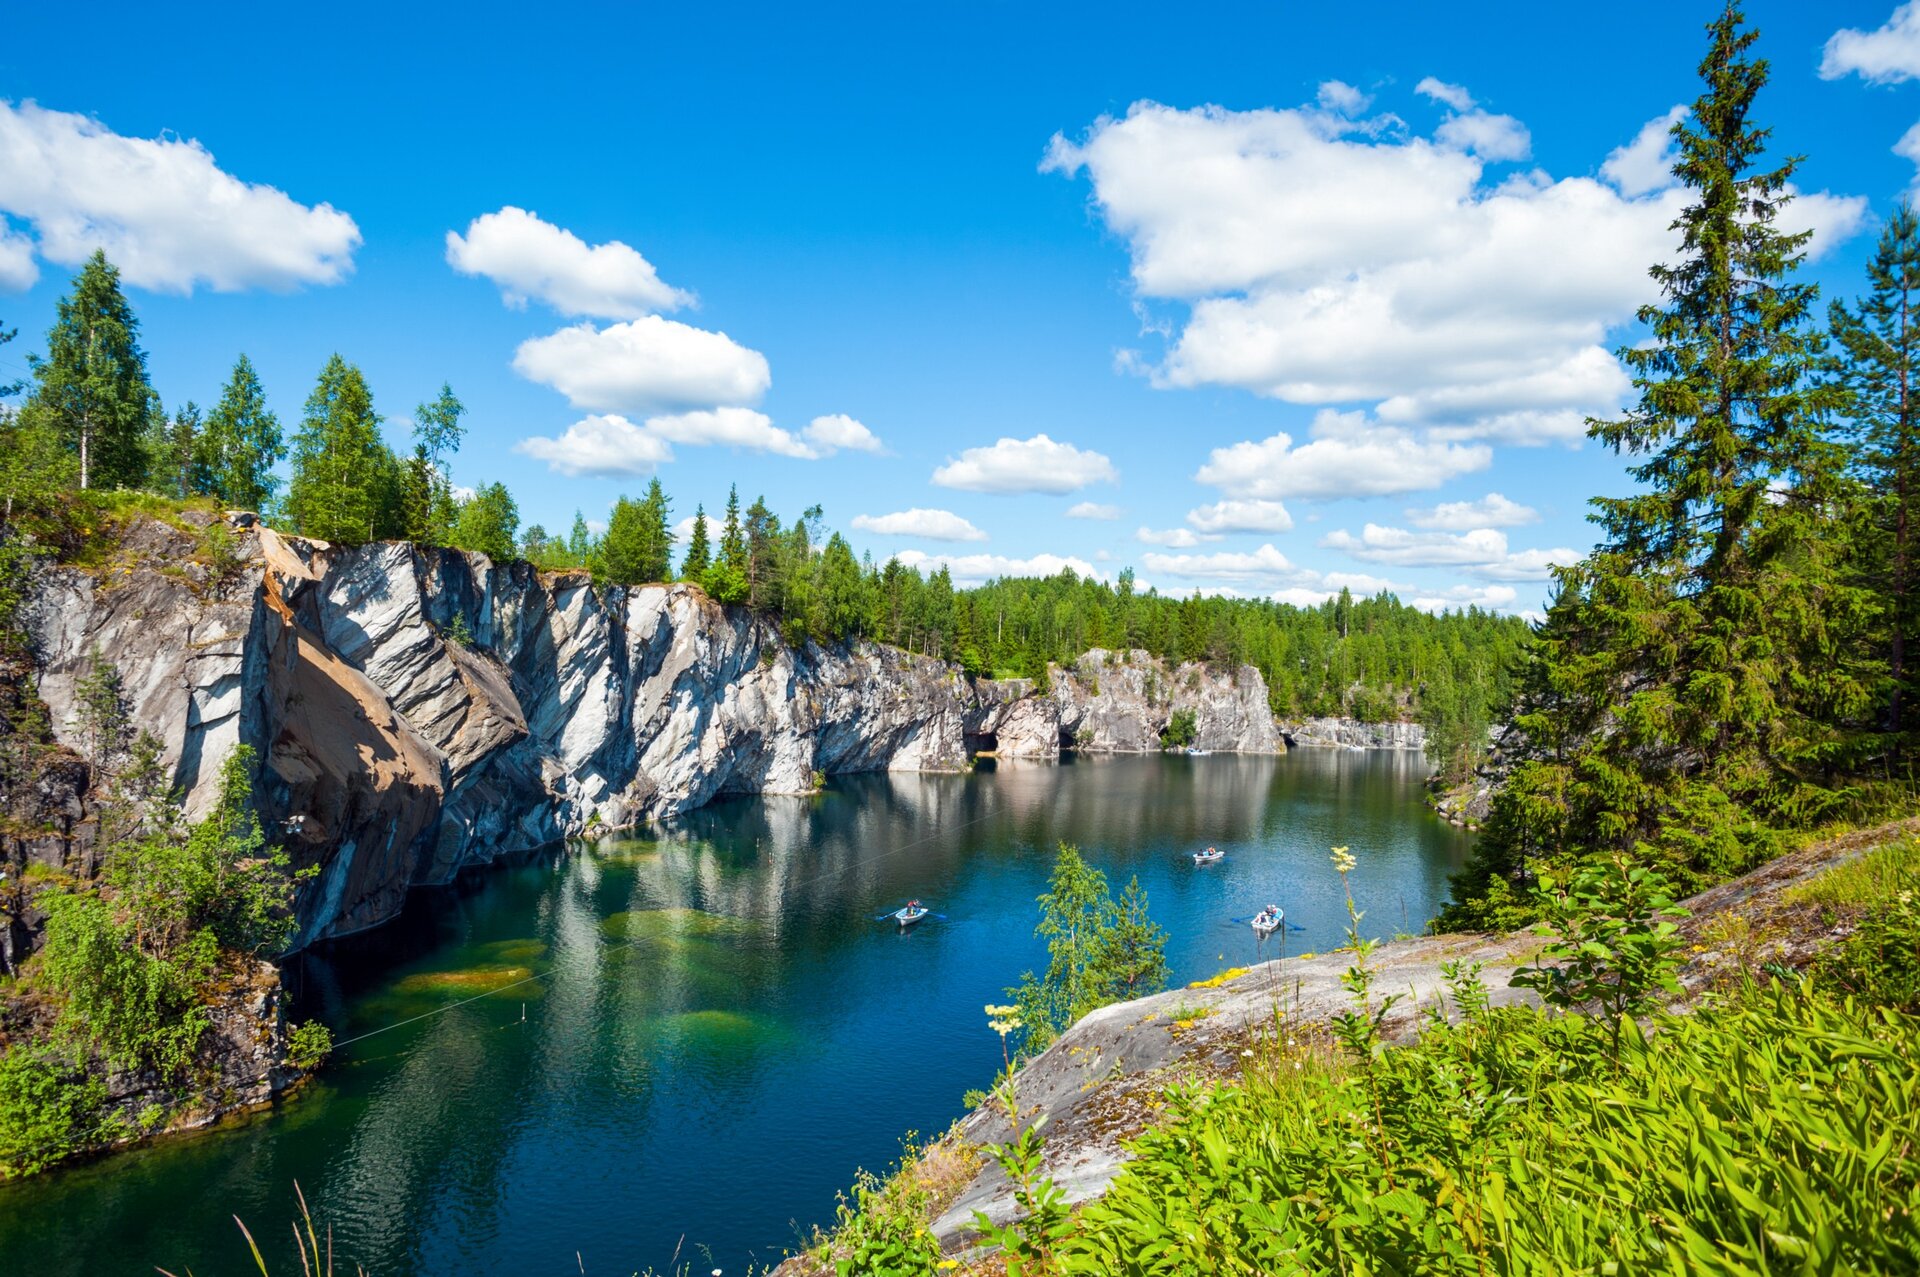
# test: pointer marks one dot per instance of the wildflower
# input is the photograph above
(1296, 1066)
(1003, 1020)
(1247, 1054)
(1343, 860)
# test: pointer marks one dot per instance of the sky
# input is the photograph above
(1263, 299)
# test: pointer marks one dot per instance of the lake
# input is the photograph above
(684, 1041)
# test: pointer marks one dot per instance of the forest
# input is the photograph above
(93, 426)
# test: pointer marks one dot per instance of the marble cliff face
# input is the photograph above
(418, 710)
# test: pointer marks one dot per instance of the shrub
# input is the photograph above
(49, 1110)
(309, 1045)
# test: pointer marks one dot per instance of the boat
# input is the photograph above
(1211, 856)
(911, 913)
(1268, 921)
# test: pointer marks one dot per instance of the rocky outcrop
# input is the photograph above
(1120, 702)
(416, 711)
(1350, 733)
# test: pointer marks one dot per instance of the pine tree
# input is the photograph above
(656, 534)
(241, 442)
(1879, 367)
(1714, 623)
(580, 541)
(173, 453)
(699, 560)
(727, 579)
(419, 500)
(92, 386)
(8, 389)
(337, 459)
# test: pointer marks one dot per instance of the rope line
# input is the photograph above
(634, 944)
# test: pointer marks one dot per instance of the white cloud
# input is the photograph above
(531, 258)
(1491, 137)
(1026, 465)
(1338, 95)
(17, 269)
(1322, 261)
(683, 530)
(1646, 163)
(1223, 517)
(1883, 56)
(730, 428)
(644, 365)
(1453, 95)
(977, 569)
(1173, 538)
(933, 525)
(1347, 457)
(838, 432)
(1266, 563)
(1490, 511)
(1302, 596)
(604, 447)
(1094, 510)
(168, 216)
(1486, 597)
(1480, 552)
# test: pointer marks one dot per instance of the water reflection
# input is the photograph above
(720, 1031)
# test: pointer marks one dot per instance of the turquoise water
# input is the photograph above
(717, 1032)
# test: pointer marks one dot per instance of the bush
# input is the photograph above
(1180, 730)
(49, 1110)
(309, 1045)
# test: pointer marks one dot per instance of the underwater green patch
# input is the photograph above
(467, 981)
(667, 924)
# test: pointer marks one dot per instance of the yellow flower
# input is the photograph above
(1343, 860)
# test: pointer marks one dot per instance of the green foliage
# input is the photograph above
(638, 546)
(91, 389)
(1879, 963)
(1615, 947)
(699, 560)
(1778, 1134)
(488, 523)
(308, 1045)
(1098, 951)
(1876, 877)
(49, 1110)
(1180, 730)
(241, 443)
(339, 462)
(457, 631)
(1041, 1222)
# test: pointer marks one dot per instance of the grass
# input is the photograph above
(1873, 879)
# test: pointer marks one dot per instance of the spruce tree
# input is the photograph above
(1879, 366)
(727, 579)
(699, 560)
(1714, 622)
(580, 541)
(337, 459)
(655, 532)
(241, 442)
(92, 386)
(8, 389)
(621, 556)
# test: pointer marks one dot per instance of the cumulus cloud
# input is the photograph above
(932, 525)
(838, 432)
(1347, 457)
(730, 428)
(1479, 552)
(978, 569)
(1490, 511)
(1265, 563)
(1646, 163)
(1038, 464)
(1172, 538)
(1883, 56)
(17, 269)
(1094, 510)
(1338, 95)
(529, 258)
(1322, 261)
(644, 365)
(1222, 517)
(1486, 597)
(166, 214)
(600, 446)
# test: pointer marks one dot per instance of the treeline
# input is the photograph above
(1734, 662)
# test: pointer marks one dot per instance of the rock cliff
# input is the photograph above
(419, 710)
(1349, 733)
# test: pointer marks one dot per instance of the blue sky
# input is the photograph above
(1403, 237)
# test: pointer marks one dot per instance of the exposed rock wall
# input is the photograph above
(1337, 733)
(420, 710)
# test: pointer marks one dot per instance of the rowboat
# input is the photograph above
(1211, 856)
(909, 914)
(1268, 921)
